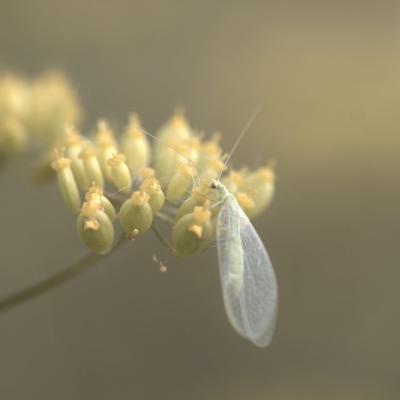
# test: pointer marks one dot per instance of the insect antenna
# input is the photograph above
(173, 148)
(240, 137)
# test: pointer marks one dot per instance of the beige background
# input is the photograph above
(328, 77)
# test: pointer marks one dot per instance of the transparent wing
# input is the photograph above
(248, 280)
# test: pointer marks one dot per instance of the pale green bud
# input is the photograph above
(199, 196)
(156, 196)
(181, 182)
(74, 144)
(136, 215)
(120, 174)
(187, 207)
(165, 162)
(95, 228)
(193, 232)
(67, 184)
(92, 165)
(95, 194)
(135, 146)
(106, 147)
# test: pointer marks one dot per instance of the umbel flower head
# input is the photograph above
(146, 185)
(125, 178)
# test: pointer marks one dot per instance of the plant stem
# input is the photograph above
(44, 286)
(163, 239)
(165, 218)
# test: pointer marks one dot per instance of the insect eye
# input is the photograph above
(213, 185)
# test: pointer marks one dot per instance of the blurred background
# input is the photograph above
(327, 76)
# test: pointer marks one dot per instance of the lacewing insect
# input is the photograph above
(248, 280)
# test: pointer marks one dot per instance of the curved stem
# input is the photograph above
(63, 276)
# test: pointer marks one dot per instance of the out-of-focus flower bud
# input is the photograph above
(261, 188)
(147, 172)
(92, 165)
(14, 97)
(177, 127)
(245, 202)
(210, 156)
(136, 215)
(135, 146)
(156, 196)
(193, 232)
(174, 141)
(95, 228)
(235, 180)
(52, 105)
(181, 182)
(66, 181)
(13, 138)
(120, 174)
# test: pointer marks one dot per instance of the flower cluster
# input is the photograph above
(107, 178)
(37, 109)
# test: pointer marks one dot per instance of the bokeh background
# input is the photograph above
(328, 77)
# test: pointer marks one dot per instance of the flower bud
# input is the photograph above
(166, 160)
(156, 196)
(95, 228)
(261, 187)
(174, 140)
(234, 181)
(95, 194)
(210, 156)
(193, 232)
(14, 96)
(181, 182)
(120, 174)
(136, 215)
(106, 147)
(147, 172)
(73, 144)
(13, 137)
(245, 202)
(216, 167)
(92, 165)
(66, 181)
(198, 197)
(177, 127)
(52, 105)
(135, 146)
